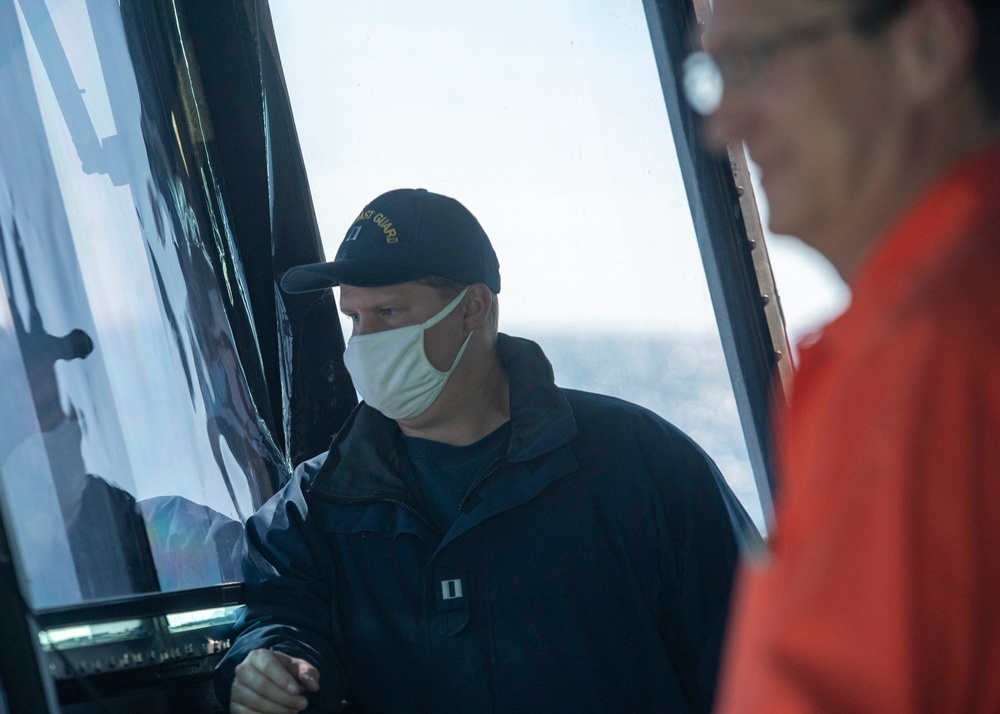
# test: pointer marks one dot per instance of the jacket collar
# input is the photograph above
(364, 459)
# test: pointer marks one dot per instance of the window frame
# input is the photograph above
(731, 241)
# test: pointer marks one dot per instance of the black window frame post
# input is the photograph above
(714, 196)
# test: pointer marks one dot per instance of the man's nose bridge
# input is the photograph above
(733, 117)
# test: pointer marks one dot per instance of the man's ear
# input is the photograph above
(478, 301)
(935, 45)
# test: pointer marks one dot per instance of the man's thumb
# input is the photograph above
(308, 676)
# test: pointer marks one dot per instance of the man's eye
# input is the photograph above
(354, 317)
(388, 311)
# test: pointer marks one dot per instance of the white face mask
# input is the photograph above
(391, 371)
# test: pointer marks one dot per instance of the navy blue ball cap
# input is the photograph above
(405, 235)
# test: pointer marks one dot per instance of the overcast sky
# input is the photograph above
(547, 121)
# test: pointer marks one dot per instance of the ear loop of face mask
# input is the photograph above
(445, 311)
(421, 326)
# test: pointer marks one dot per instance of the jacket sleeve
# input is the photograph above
(702, 525)
(289, 584)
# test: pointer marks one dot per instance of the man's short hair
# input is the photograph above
(869, 17)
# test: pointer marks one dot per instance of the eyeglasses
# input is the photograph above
(705, 75)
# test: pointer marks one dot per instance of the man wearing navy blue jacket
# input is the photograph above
(477, 539)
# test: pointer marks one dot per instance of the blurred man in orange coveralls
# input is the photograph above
(874, 124)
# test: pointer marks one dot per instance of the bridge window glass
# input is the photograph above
(136, 452)
(547, 120)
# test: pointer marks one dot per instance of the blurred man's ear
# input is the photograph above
(935, 44)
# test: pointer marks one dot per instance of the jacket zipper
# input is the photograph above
(500, 460)
(492, 469)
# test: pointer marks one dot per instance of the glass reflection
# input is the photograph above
(136, 449)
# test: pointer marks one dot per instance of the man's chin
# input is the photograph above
(809, 233)
(782, 223)
(787, 214)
